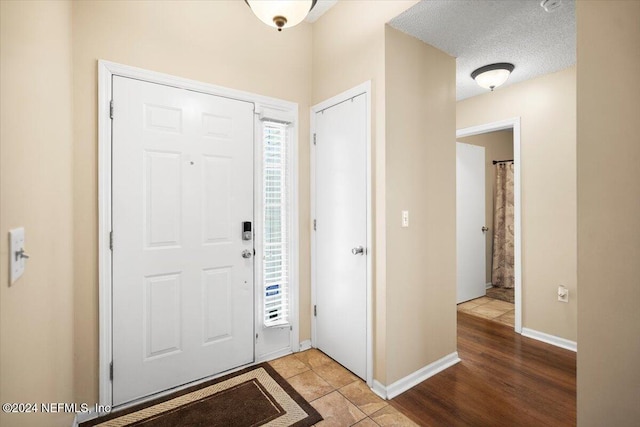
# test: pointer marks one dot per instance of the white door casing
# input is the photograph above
(511, 123)
(182, 177)
(341, 215)
(470, 220)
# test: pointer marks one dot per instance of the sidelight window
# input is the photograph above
(276, 208)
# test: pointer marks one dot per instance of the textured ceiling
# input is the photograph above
(481, 32)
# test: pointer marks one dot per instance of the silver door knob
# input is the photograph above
(246, 253)
(358, 251)
(484, 228)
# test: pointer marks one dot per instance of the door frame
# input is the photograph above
(512, 123)
(265, 107)
(364, 88)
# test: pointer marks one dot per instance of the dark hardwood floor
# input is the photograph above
(504, 379)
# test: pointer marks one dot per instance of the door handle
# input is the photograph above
(358, 251)
(246, 253)
(485, 228)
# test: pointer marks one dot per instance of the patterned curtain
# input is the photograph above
(502, 273)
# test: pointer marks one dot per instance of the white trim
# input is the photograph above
(305, 345)
(513, 123)
(104, 228)
(274, 355)
(488, 285)
(294, 247)
(364, 88)
(550, 339)
(379, 389)
(415, 378)
(277, 115)
(106, 71)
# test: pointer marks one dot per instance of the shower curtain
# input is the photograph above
(502, 273)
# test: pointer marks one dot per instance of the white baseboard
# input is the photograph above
(305, 345)
(488, 285)
(550, 339)
(379, 389)
(415, 378)
(273, 355)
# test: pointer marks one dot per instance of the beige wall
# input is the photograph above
(48, 177)
(348, 46)
(498, 146)
(608, 213)
(36, 313)
(421, 178)
(547, 108)
(215, 42)
(349, 49)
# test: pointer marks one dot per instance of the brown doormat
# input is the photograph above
(255, 396)
(503, 294)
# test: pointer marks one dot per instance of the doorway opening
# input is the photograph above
(488, 287)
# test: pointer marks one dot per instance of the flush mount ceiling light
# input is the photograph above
(493, 75)
(550, 5)
(281, 13)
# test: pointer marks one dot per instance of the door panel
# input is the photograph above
(162, 314)
(470, 213)
(162, 195)
(341, 218)
(182, 185)
(216, 182)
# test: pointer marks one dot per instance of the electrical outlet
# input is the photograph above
(563, 294)
(405, 219)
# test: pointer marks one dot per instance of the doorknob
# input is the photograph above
(484, 228)
(246, 253)
(358, 251)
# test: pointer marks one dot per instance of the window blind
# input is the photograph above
(276, 224)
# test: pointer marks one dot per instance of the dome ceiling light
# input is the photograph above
(551, 5)
(493, 75)
(281, 13)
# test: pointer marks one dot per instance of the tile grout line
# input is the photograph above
(488, 300)
(330, 361)
(340, 393)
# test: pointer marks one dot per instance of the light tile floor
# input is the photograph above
(339, 396)
(489, 308)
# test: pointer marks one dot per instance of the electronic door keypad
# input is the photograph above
(246, 230)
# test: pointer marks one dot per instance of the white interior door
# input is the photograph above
(470, 216)
(341, 228)
(182, 185)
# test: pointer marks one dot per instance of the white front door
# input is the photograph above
(341, 233)
(470, 220)
(182, 186)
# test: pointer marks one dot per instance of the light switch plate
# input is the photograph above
(405, 219)
(563, 294)
(16, 238)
